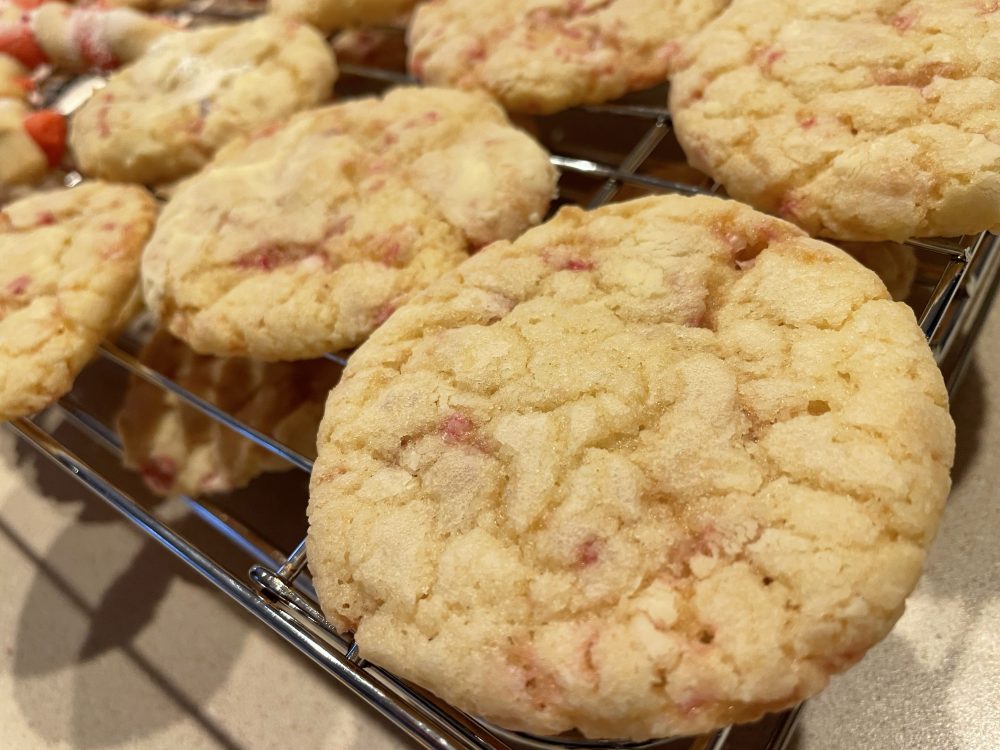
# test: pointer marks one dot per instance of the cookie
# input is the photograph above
(69, 260)
(304, 239)
(327, 15)
(179, 450)
(856, 120)
(164, 116)
(653, 469)
(76, 39)
(543, 56)
(895, 264)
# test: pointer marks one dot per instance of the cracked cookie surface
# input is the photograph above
(179, 450)
(855, 120)
(68, 261)
(653, 469)
(541, 56)
(305, 239)
(165, 115)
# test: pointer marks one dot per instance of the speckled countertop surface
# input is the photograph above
(109, 643)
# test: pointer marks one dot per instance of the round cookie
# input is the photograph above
(654, 469)
(895, 264)
(164, 116)
(541, 56)
(304, 239)
(327, 15)
(179, 450)
(68, 260)
(856, 120)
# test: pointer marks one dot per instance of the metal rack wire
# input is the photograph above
(956, 285)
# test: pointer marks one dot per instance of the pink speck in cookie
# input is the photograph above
(270, 257)
(266, 131)
(789, 207)
(45, 219)
(577, 264)
(390, 254)
(903, 21)
(806, 121)
(384, 313)
(159, 472)
(588, 552)
(457, 428)
(103, 127)
(766, 57)
(19, 285)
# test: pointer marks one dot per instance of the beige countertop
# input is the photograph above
(110, 643)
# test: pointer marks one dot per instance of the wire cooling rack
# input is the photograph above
(604, 153)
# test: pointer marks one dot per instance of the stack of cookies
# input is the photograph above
(655, 468)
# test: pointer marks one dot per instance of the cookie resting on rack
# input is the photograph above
(179, 450)
(327, 15)
(304, 239)
(543, 56)
(68, 260)
(856, 120)
(653, 469)
(164, 116)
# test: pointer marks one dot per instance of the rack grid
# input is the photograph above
(956, 283)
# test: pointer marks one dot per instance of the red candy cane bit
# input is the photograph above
(45, 218)
(47, 128)
(17, 41)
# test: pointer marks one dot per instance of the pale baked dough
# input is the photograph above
(857, 120)
(541, 56)
(164, 116)
(305, 238)
(68, 260)
(645, 471)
